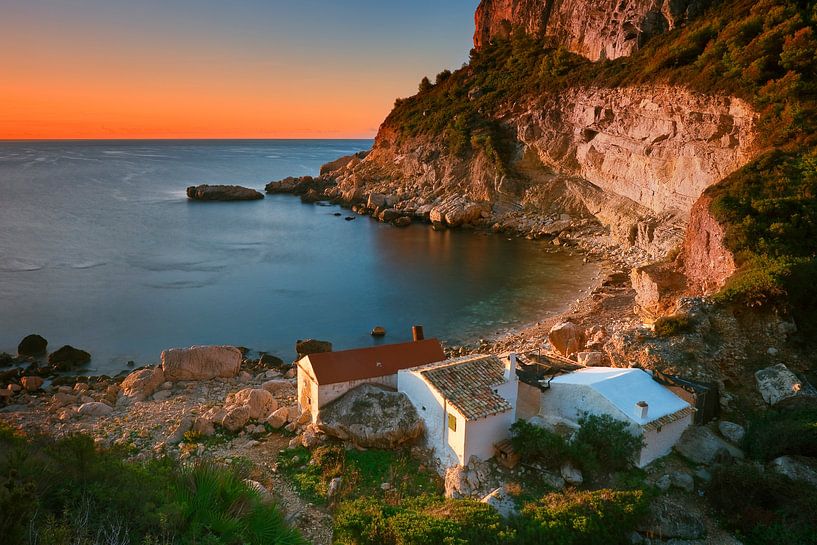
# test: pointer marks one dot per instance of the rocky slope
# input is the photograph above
(605, 29)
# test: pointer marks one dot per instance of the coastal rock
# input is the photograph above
(222, 193)
(777, 383)
(708, 263)
(94, 408)
(32, 345)
(278, 418)
(289, 185)
(203, 426)
(32, 384)
(260, 403)
(201, 363)
(796, 468)
(378, 331)
(732, 432)
(455, 212)
(67, 358)
(371, 417)
(270, 361)
(669, 519)
(655, 286)
(567, 338)
(700, 445)
(279, 387)
(503, 502)
(402, 221)
(141, 384)
(236, 418)
(311, 346)
(571, 475)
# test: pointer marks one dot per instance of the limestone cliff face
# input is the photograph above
(596, 29)
(636, 159)
(708, 264)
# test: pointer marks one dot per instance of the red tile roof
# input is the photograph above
(377, 361)
(468, 384)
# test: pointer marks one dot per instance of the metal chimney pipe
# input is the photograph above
(417, 333)
(642, 409)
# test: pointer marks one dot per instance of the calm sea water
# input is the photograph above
(99, 248)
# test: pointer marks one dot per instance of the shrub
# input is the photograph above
(605, 444)
(764, 507)
(420, 521)
(425, 85)
(600, 517)
(779, 433)
(667, 326)
(537, 444)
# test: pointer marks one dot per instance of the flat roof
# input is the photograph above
(373, 362)
(624, 388)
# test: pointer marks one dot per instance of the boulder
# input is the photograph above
(203, 426)
(378, 331)
(141, 384)
(32, 345)
(700, 445)
(289, 185)
(571, 475)
(777, 383)
(94, 408)
(372, 417)
(503, 502)
(455, 212)
(185, 425)
(279, 387)
(732, 432)
(236, 418)
(222, 193)
(796, 468)
(32, 384)
(278, 418)
(259, 402)
(670, 519)
(376, 200)
(591, 359)
(67, 358)
(201, 363)
(270, 361)
(311, 346)
(389, 215)
(567, 338)
(402, 221)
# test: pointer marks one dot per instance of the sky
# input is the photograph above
(219, 69)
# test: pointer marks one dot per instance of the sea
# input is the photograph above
(101, 249)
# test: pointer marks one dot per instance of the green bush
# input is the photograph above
(70, 491)
(605, 444)
(423, 520)
(600, 517)
(780, 433)
(667, 326)
(765, 508)
(536, 444)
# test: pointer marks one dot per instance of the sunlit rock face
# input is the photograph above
(595, 29)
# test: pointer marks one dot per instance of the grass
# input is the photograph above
(56, 491)
(362, 473)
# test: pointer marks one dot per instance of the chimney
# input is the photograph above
(510, 368)
(417, 333)
(642, 409)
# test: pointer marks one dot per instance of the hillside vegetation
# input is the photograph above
(764, 52)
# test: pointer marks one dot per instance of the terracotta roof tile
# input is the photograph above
(468, 384)
(376, 361)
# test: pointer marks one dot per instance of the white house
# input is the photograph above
(324, 377)
(467, 404)
(630, 395)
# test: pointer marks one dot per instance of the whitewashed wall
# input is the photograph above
(660, 443)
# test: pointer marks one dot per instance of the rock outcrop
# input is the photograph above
(371, 417)
(311, 346)
(68, 357)
(32, 345)
(141, 384)
(605, 29)
(201, 363)
(222, 193)
(708, 263)
(778, 383)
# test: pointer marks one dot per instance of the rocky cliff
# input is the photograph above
(595, 29)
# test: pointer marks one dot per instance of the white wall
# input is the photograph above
(483, 434)
(571, 401)
(660, 443)
(448, 446)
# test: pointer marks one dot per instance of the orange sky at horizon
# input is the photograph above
(87, 69)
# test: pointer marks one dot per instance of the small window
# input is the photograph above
(452, 422)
